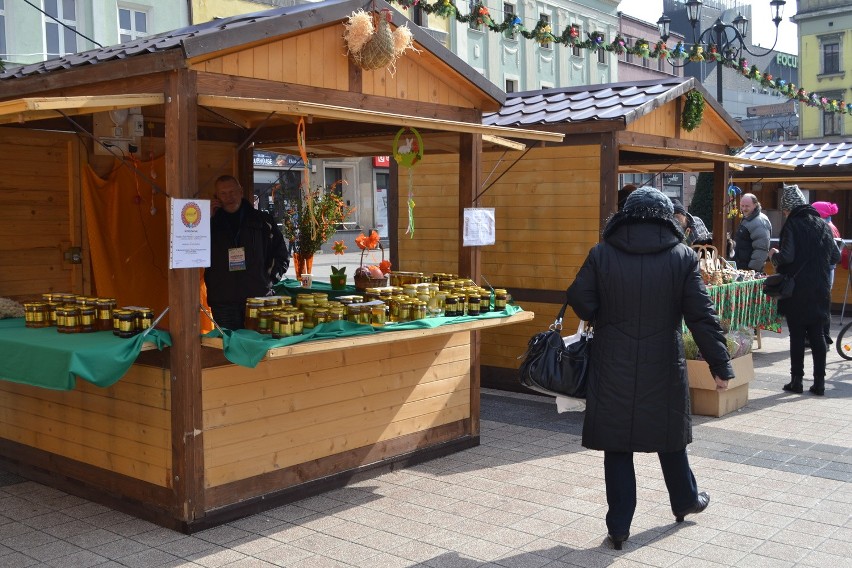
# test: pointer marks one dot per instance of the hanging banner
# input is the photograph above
(189, 238)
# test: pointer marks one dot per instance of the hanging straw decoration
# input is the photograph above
(370, 42)
(407, 155)
(306, 186)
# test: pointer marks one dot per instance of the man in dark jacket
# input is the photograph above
(806, 250)
(637, 286)
(248, 254)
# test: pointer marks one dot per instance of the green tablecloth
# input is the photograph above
(49, 359)
(248, 348)
(293, 288)
(743, 304)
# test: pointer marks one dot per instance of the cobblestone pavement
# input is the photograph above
(779, 472)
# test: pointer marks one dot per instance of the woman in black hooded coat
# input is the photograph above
(637, 286)
(806, 250)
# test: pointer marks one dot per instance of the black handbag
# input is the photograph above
(550, 367)
(781, 286)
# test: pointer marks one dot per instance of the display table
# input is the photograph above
(743, 304)
(44, 358)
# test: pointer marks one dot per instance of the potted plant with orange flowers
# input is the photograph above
(372, 275)
(337, 278)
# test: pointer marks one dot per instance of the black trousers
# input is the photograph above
(814, 333)
(229, 316)
(621, 486)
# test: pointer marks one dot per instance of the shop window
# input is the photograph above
(830, 58)
(60, 39)
(132, 24)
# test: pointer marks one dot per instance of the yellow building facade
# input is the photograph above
(206, 10)
(825, 63)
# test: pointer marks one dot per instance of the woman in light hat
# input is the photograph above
(805, 250)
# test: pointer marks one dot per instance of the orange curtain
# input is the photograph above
(127, 228)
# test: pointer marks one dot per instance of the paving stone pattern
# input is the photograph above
(778, 472)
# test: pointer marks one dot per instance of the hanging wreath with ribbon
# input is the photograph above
(408, 154)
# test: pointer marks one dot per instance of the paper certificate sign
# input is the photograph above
(189, 239)
(479, 227)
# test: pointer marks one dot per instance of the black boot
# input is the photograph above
(818, 388)
(795, 385)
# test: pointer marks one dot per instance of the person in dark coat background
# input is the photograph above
(806, 250)
(637, 285)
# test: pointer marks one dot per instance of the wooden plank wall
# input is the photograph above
(124, 429)
(293, 410)
(39, 212)
(665, 121)
(547, 210)
(319, 59)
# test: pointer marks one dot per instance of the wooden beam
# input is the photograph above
(38, 108)
(652, 140)
(305, 108)
(721, 172)
(184, 301)
(470, 258)
(704, 155)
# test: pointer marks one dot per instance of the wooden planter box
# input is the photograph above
(704, 397)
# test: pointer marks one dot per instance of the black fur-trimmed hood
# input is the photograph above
(642, 230)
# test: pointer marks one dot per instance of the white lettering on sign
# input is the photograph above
(786, 60)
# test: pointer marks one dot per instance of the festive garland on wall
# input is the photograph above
(596, 40)
(693, 111)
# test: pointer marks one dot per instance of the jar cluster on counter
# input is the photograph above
(72, 313)
(279, 316)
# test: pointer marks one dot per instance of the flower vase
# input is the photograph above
(337, 281)
(302, 264)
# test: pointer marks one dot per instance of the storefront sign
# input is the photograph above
(381, 161)
(273, 159)
(787, 60)
(189, 238)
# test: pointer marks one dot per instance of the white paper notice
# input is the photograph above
(189, 243)
(479, 227)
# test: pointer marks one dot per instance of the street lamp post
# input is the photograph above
(730, 48)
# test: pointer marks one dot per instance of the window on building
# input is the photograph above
(545, 20)
(2, 29)
(601, 56)
(628, 42)
(575, 51)
(831, 123)
(419, 17)
(511, 85)
(508, 16)
(471, 6)
(831, 58)
(60, 40)
(132, 24)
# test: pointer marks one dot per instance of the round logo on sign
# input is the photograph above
(190, 215)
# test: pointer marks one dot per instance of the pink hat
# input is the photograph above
(825, 209)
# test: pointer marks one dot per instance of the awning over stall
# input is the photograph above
(38, 108)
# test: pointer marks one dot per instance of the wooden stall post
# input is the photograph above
(721, 172)
(184, 300)
(470, 181)
(609, 176)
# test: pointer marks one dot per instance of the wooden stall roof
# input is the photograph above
(645, 115)
(812, 161)
(239, 84)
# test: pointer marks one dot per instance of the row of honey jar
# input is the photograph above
(90, 315)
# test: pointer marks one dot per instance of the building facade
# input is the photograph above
(28, 35)
(825, 48)
(631, 67)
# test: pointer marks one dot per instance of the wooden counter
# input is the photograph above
(310, 417)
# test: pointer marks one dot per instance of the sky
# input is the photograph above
(763, 29)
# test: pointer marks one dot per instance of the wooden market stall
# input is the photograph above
(552, 199)
(822, 167)
(186, 438)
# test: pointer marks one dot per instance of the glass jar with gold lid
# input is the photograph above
(501, 297)
(252, 305)
(36, 314)
(264, 320)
